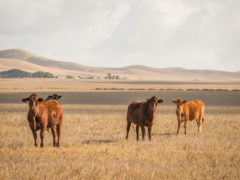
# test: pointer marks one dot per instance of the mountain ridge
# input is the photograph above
(25, 60)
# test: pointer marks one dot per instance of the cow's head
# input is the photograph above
(34, 101)
(153, 102)
(179, 103)
(53, 97)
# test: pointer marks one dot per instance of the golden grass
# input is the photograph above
(93, 146)
(71, 85)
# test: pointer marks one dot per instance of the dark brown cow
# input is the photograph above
(142, 113)
(43, 115)
(53, 97)
(188, 111)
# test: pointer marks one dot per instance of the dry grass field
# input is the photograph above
(77, 85)
(93, 146)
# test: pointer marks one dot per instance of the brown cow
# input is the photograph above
(43, 115)
(142, 113)
(188, 111)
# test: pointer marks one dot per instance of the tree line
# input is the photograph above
(17, 73)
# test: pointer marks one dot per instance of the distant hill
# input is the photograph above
(30, 62)
(16, 54)
(17, 73)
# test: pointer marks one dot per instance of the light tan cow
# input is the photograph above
(188, 111)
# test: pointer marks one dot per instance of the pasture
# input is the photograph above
(88, 85)
(94, 145)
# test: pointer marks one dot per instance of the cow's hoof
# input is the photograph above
(58, 145)
(36, 145)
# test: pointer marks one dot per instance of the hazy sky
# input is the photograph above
(194, 34)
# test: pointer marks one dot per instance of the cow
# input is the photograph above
(142, 113)
(188, 111)
(53, 97)
(43, 115)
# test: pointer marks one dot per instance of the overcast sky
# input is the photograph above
(194, 34)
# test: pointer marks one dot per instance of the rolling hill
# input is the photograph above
(27, 61)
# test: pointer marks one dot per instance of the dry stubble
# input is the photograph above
(93, 146)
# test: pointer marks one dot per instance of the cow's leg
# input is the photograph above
(137, 132)
(58, 134)
(143, 132)
(128, 128)
(43, 129)
(186, 126)
(149, 132)
(199, 126)
(199, 123)
(179, 125)
(54, 132)
(35, 137)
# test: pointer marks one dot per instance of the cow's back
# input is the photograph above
(53, 110)
(146, 116)
(195, 109)
(133, 112)
(54, 105)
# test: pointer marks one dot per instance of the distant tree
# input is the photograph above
(48, 75)
(109, 76)
(69, 77)
(41, 74)
(15, 73)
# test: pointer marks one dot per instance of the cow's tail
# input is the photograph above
(203, 118)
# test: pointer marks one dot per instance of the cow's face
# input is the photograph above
(33, 100)
(179, 103)
(153, 102)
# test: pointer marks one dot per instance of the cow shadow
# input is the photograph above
(167, 134)
(104, 141)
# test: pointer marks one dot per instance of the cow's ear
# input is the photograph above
(40, 99)
(184, 101)
(25, 99)
(160, 101)
(174, 101)
(59, 97)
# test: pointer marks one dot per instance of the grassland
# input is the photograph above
(93, 146)
(77, 85)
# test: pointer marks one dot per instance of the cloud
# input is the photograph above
(191, 34)
(28, 15)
